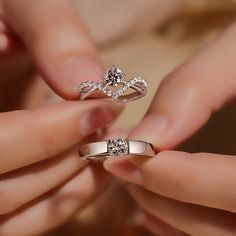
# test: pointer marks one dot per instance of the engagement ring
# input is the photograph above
(114, 86)
(117, 148)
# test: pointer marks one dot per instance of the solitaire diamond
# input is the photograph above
(113, 76)
(118, 147)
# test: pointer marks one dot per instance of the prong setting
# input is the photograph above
(118, 147)
(113, 76)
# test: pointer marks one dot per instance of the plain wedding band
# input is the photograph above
(117, 148)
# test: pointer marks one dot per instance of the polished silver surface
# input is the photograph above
(115, 148)
(114, 86)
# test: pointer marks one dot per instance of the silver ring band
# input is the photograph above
(114, 86)
(115, 147)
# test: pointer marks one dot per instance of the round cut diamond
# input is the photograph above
(113, 76)
(118, 147)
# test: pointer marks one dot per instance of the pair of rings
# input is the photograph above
(114, 86)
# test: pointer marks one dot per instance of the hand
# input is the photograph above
(56, 39)
(194, 193)
(42, 180)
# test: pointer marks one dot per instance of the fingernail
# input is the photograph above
(151, 128)
(99, 117)
(82, 69)
(124, 170)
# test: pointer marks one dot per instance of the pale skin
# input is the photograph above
(65, 55)
(186, 193)
(42, 181)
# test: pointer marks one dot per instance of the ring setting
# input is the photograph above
(114, 85)
(116, 148)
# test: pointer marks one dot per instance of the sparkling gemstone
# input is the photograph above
(118, 147)
(114, 96)
(95, 85)
(125, 87)
(113, 76)
(104, 90)
(120, 92)
(85, 86)
(109, 93)
(132, 82)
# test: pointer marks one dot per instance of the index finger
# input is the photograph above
(58, 41)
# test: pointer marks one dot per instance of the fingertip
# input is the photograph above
(123, 169)
(152, 129)
(67, 59)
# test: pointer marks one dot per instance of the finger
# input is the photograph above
(189, 218)
(3, 27)
(30, 136)
(115, 133)
(55, 208)
(32, 93)
(188, 96)
(202, 178)
(4, 42)
(8, 39)
(38, 93)
(57, 40)
(31, 182)
(157, 226)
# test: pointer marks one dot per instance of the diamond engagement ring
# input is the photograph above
(117, 148)
(114, 86)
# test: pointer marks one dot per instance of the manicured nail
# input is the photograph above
(151, 128)
(124, 170)
(99, 117)
(81, 69)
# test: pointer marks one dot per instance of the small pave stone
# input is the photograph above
(120, 92)
(104, 90)
(114, 96)
(83, 87)
(118, 147)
